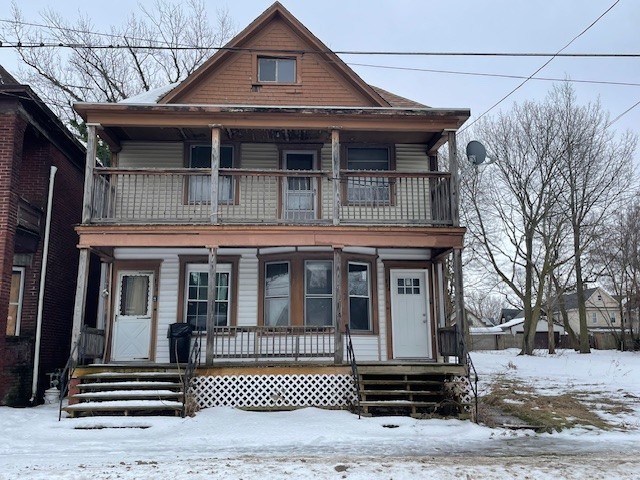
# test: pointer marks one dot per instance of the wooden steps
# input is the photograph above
(126, 391)
(404, 390)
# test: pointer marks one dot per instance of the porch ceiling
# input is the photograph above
(440, 238)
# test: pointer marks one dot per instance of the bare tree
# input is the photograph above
(159, 46)
(596, 168)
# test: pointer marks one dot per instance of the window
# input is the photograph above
(276, 294)
(200, 186)
(318, 309)
(368, 189)
(276, 70)
(359, 296)
(612, 317)
(196, 294)
(15, 301)
(594, 318)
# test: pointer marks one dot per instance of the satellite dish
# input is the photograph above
(476, 152)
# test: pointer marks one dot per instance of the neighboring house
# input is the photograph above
(493, 337)
(315, 200)
(32, 142)
(603, 311)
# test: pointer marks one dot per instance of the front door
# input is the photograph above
(133, 316)
(299, 191)
(410, 320)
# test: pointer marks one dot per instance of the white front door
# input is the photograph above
(410, 319)
(133, 317)
(299, 192)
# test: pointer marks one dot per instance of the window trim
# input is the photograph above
(307, 295)
(344, 164)
(204, 268)
(264, 290)
(369, 296)
(235, 163)
(20, 302)
(185, 260)
(255, 69)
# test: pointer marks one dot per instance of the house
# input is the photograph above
(603, 311)
(315, 200)
(41, 185)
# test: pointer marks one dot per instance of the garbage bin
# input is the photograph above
(179, 336)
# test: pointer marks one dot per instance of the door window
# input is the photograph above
(134, 295)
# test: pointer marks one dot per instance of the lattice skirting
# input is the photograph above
(272, 391)
(458, 389)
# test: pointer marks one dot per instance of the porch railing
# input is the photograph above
(270, 196)
(263, 342)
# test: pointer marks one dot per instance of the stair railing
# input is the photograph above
(189, 371)
(471, 368)
(351, 358)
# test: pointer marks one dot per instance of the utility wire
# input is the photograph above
(498, 75)
(623, 114)
(540, 68)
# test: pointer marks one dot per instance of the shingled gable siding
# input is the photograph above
(233, 81)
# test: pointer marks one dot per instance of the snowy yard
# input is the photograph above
(224, 443)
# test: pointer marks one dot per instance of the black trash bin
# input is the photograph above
(179, 336)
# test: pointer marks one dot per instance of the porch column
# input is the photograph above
(457, 252)
(87, 199)
(337, 304)
(335, 168)
(215, 166)
(81, 297)
(211, 303)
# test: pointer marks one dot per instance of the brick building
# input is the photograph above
(32, 140)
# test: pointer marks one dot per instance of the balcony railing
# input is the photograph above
(270, 196)
(263, 342)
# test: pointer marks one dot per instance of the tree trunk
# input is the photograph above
(582, 310)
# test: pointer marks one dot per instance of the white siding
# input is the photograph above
(151, 155)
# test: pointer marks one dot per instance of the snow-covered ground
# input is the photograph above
(224, 443)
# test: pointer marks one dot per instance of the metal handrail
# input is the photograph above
(474, 385)
(351, 358)
(189, 371)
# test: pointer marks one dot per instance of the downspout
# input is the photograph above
(43, 274)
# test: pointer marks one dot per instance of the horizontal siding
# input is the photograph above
(411, 158)
(151, 155)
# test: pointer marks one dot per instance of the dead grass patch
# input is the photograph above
(546, 412)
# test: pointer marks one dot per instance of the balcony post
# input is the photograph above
(87, 199)
(457, 252)
(211, 304)
(335, 170)
(337, 304)
(81, 297)
(215, 166)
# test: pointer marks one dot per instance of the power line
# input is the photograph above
(544, 65)
(623, 114)
(498, 75)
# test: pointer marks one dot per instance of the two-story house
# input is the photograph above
(315, 200)
(41, 185)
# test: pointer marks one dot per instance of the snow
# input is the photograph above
(150, 97)
(226, 443)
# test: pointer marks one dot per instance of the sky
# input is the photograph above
(226, 444)
(543, 26)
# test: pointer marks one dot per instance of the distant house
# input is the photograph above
(603, 311)
(32, 142)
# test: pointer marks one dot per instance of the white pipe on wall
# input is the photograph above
(43, 276)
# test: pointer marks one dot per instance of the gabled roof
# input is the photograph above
(238, 43)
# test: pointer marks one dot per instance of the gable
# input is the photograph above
(230, 77)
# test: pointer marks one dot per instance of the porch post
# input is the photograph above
(457, 252)
(215, 166)
(81, 297)
(211, 303)
(337, 304)
(335, 167)
(87, 199)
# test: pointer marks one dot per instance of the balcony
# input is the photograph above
(300, 197)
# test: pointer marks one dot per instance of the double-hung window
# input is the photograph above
(359, 290)
(200, 185)
(371, 190)
(196, 295)
(318, 293)
(15, 301)
(276, 70)
(277, 294)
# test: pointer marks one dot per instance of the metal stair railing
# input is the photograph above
(464, 353)
(189, 371)
(351, 358)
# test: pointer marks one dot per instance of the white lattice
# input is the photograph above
(459, 390)
(274, 390)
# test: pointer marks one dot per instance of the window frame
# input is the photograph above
(308, 295)
(288, 296)
(201, 260)
(277, 59)
(344, 165)
(368, 297)
(19, 303)
(221, 268)
(234, 197)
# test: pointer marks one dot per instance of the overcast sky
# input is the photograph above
(449, 26)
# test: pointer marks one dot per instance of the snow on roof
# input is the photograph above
(486, 330)
(150, 96)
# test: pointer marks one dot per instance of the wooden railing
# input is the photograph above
(263, 342)
(129, 196)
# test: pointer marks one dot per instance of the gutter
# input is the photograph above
(43, 275)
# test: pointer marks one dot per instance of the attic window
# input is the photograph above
(276, 70)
